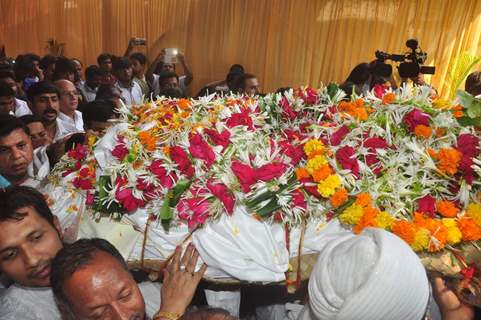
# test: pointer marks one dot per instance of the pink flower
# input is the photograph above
(380, 90)
(310, 186)
(298, 199)
(221, 192)
(427, 205)
(89, 198)
(127, 200)
(159, 171)
(84, 172)
(245, 174)
(120, 151)
(295, 153)
(336, 137)
(240, 119)
(375, 143)
(293, 135)
(468, 145)
(194, 210)
(148, 190)
(219, 139)
(270, 171)
(416, 117)
(84, 184)
(179, 156)
(287, 110)
(346, 157)
(200, 149)
(78, 153)
(466, 169)
(310, 96)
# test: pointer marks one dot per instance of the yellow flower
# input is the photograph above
(421, 240)
(441, 104)
(351, 215)
(474, 211)
(454, 234)
(384, 220)
(328, 186)
(312, 146)
(315, 163)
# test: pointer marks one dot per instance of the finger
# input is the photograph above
(176, 258)
(199, 274)
(187, 255)
(192, 261)
(438, 284)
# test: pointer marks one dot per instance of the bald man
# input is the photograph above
(69, 116)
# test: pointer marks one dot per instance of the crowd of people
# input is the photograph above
(48, 104)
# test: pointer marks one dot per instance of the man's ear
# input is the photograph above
(56, 223)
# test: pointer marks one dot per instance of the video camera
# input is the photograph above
(411, 62)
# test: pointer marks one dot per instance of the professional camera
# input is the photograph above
(411, 62)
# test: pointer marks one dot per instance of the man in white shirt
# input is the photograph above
(70, 117)
(130, 90)
(93, 78)
(20, 107)
(44, 101)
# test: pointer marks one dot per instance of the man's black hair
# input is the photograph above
(13, 198)
(47, 61)
(172, 93)
(7, 74)
(105, 92)
(76, 256)
(241, 81)
(102, 57)
(98, 110)
(121, 64)
(6, 90)
(167, 75)
(140, 57)
(237, 68)
(63, 66)
(29, 118)
(24, 65)
(41, 87)
(9, 123)
(92, 71)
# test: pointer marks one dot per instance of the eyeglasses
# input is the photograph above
(69, 93)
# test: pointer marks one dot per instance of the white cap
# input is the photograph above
(374, 275)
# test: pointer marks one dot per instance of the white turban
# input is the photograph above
(374, 275)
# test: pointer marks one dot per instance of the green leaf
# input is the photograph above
(268, 209)
(178, 190)
(459, 70)
(166, 213)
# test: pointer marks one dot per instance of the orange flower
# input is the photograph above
(440, 132)
(458, 114)
(183, 104)
(315, 153)
(448, 160)
(148, 140)
(435, 228)
(470, 230)
(388, 98)
(359, 103)
(338, 198)
(447, 208)
(404, 230)
(457, 107)
(301, 173)
(368, 219)
(363, 199)
(423, 131)
(166, 150)
(322, 173)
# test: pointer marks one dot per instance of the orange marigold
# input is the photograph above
(148, 140)
(183, 104)
(322, 173)
(360, 114)
(368, 219)
(440, 132)
(423, 131)
(404, 230)
(301, 173)
(458, 114)
(447, 208)
(388, 98)
(363, 199)
(470, 230)
(359, 103)
(338, 198)
(448, 160)
(439, 232)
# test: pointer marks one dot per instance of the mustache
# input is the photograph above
(33, 273)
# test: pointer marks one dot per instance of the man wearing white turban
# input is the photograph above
(371, 276)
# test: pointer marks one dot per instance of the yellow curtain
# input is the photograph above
(283, 42)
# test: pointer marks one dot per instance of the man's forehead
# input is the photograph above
(16, 136)
(24, 222)
(47, 95)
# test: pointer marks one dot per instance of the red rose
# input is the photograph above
(346, 157)
(219, 139)
(221, 192)
(245, 174)
(179, 156)
(295, 153)
(194, 210)
(416, 117)
(310, 186)
(159, 171)
(200, 149)
(336, 137)
(287, 113)
(127, 199)
(240, 119)
(298, 199)
(427, 205)
(120, 151)
(270, 171)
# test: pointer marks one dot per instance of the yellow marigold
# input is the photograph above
(454, 234)
(384, 220)
(328, 186)
(313, 145)
(368, 219)
(351, 215)
(315, 163)
(404, 230)
(338, 198)
(474, 211)
(446, 208)
(388, 98)
(470, 230)
(363, 199)
(423, 131)
(322, 173)
(421, 240)
(448, 160)
(441, 104)
(301, 173)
